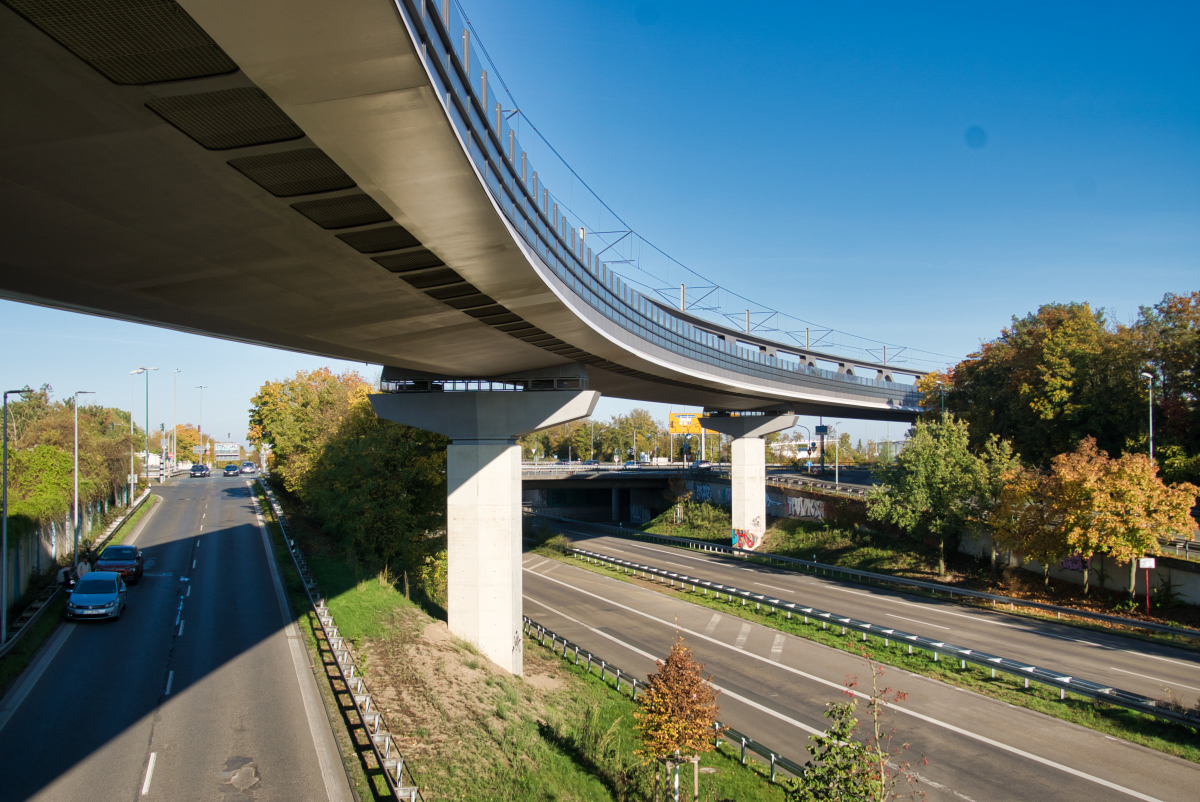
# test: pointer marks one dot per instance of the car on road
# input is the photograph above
(249, 468)
(701, 465)
(200, 470)
(591, 462)
(232, 470)
(100, 594)
(124, 560)
(630, 465)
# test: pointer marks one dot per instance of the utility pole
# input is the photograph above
(132, 373)
(75, 522)
(1149, 377)
(4, 526)
(146, 431)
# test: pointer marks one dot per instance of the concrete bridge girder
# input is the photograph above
(483, 500)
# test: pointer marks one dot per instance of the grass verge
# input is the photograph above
(1164, 736)
(127, 527)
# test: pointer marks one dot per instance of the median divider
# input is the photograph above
(1015, 668)
(387, 751)
(866, 577)
(723, 733)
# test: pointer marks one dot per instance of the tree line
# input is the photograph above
(1044, 439)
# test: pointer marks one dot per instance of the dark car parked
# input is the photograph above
(200, 470)
(124, 560)
(100, 594)
(232, 470)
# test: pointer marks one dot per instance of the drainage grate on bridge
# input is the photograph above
(130, 41)
(227, 118)
(374, 240)
(344, 211)
(294, 172)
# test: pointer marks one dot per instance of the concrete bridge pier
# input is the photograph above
(483, 499)
(748, 474)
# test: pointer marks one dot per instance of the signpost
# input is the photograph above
(1147, 563)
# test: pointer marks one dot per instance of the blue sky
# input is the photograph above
(913, 173)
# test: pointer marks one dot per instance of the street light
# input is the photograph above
(146, 431)
(200, 428)
(132, 373)
(75, 523)
(837, 432)
(175, 420)
(1149, 377)
(4, 525)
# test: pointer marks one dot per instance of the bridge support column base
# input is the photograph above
(483, 500)
(748, 474)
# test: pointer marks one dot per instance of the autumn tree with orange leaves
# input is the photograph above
(677, 715)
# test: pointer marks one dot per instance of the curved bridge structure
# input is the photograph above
(337, 178)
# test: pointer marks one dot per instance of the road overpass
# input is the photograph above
(338, 179)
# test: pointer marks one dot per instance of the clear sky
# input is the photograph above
(915, 173)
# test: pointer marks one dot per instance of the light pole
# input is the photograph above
(837, 453)
(146, 431)
(4, 526)
(132, 373)
(200, 428)
(175, 419)
(1149, 377)
(75, 522)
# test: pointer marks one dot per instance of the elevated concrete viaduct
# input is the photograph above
(335, 178)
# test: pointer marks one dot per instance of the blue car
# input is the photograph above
(100, 594)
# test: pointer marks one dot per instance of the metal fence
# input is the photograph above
(1016, 668)
(869, 577)
(387, 751)
(745, 743)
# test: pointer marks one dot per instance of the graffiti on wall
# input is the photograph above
(801, 507)
(743, 539)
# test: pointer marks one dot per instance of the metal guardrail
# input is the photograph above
(747, 744)
(387, 751)
(1065, 683)
(870, 577)
(30, 615)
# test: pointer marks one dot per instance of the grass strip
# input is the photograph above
(127, 527)
(1165, 736)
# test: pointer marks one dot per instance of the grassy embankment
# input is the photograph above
(907, 557)
(1173, 739)
(467, 729)
(13, 663)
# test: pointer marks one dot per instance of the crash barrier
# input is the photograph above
(870, 578)
(41, 603)
(744, 743)
(387, 751)
(1030, 673)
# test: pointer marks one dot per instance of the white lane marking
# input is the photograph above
(930, 607)
(772, 587)
(915, 621)
(149, 773)
(203, 514)
(142, 523)
(775, 713)
(1156, 679)
(193, 563)
(906, 711)
(34, 673)
(777, 646)
(197, 542)
(201, 527)
(189, 593)
(170, 679)
(743, 635)
(712, 625)
(180, 634)
(328, 759)
(539, 565)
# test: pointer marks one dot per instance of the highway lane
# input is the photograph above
(1126, 663)
(199, 691)
(776, 687)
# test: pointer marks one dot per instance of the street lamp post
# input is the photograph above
(146, 431)
(75, 522)
(175, 419)
(4, 526)
(132, 373)
(1149, 377)
(200, 428)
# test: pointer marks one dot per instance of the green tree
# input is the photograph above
(995, 463)
(927, 491)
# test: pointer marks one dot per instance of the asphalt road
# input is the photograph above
(775, 688)
(202, 690)
(1125, 663)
